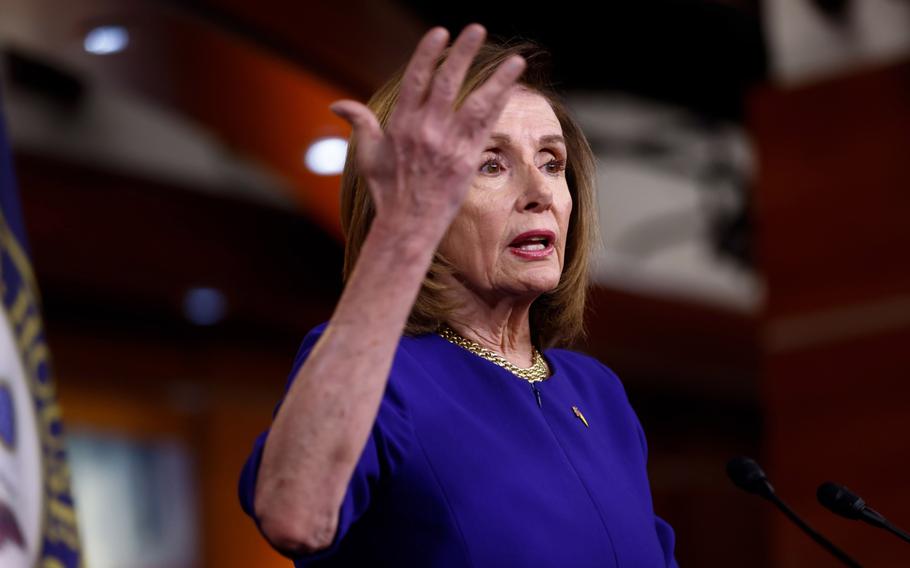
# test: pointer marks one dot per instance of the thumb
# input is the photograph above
(362, 120)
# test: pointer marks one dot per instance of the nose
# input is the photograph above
(538, 193)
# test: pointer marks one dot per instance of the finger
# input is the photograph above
(451, 74)
(482, 108)
(366, 127)
(419, 72)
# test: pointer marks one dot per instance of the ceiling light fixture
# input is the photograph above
(204, 306)
(326, 156)
(105, 40)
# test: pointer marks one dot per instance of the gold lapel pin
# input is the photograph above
(580, 416)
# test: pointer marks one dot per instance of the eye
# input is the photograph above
(491, 166)
(555, 166)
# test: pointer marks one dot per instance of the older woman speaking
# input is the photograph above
(422, 426)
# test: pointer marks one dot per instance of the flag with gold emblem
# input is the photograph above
(37, 518)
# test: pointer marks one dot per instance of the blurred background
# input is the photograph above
(178, 169)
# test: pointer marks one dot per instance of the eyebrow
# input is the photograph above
(547, 139)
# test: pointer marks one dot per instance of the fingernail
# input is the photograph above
(439, 35)
(477, 29)
(515, 63)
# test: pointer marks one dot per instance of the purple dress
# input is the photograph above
(464, 469)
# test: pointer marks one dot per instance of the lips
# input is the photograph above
(538, 239)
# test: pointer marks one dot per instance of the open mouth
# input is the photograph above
(531, 244)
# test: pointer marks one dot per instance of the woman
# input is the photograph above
(421, 425)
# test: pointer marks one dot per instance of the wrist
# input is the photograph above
(412, 240)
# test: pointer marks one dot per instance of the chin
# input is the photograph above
(541, 286)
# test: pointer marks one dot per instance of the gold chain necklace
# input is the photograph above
(537, 372)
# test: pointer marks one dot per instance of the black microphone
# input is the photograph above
(747, 475)
(841, 501)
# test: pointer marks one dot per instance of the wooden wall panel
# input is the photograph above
(833, 205)
(214, 399)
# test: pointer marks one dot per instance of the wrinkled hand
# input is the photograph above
(420, 169)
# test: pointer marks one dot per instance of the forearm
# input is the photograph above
(326, 417)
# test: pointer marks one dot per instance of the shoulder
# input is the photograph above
(585, 369)
(596, 381)
(418, 347)
(416, 342)
(392, 419)
(310, 339)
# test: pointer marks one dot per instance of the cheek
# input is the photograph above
(465, 237)
(476, 216)
(565, 216)
(479, 243)
(565, 207)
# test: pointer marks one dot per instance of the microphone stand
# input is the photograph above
(896, 531)
(813, 534)
(876, 519)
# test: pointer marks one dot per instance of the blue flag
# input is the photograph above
(37, 519)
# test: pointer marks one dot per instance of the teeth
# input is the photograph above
(535, 246)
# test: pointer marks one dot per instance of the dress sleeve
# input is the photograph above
(665, 534)
(383, 453)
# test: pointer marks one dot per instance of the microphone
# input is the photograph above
(841, 501)
(748, 476)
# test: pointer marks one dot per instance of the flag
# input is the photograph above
(37, 520)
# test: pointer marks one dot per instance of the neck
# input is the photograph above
(502, 326)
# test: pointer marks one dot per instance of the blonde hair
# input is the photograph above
(557, 316)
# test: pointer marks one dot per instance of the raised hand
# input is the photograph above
(420, 168)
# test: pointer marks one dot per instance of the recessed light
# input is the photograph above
(204, 306)
(105, 40)
(326, 156)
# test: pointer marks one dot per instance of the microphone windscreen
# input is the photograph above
(747, 475)
(840, 500)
